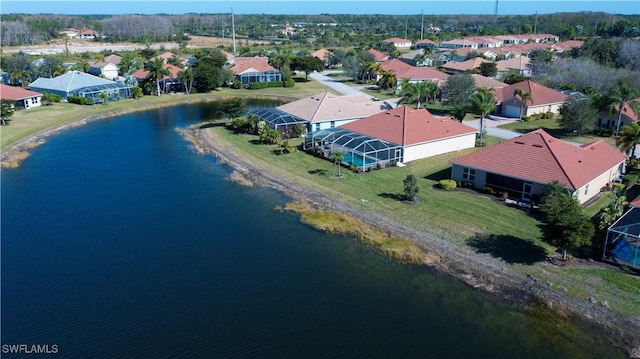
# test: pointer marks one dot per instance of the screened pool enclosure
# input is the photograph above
(113, 90)
(622, 245)
(362, 151)
(280, 120)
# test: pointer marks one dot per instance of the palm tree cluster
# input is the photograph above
(418, 91)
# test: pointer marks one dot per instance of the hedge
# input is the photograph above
(264, 85)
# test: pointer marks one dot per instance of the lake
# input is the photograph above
(118, 240)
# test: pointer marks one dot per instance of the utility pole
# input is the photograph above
(422, 25)
(535, 26)
(406, 26)
(495, 11)
(233, 32)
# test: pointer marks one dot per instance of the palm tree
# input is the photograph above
(483, 103)
(629, 138)
(156, 72)
(458, 112)
(337, 157)
(187, 78)
(374, 69)
(127, 64)
(387, 80)
(620, 95)
(416, 91)
(103, 96)
(525, 96)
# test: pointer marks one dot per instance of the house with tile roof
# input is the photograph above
(23, 98)
(324, 55)
(543, 99)
(524, 165)
(458, 43)
(168, 83)
(378, 56)
(326, 110)
(104, 69)
(487, 82)
(77, 83)
(253, 69)
(417, 132)
(426, 44)
(609, 119)
(518, 64)
(399, 43)
(455, 67)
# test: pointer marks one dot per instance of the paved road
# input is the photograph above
(343, 88)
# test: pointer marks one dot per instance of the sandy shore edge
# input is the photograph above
(481, 272)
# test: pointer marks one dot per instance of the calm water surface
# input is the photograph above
(118, 241)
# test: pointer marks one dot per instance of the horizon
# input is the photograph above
(317, 7)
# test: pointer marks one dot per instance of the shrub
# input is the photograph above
(527, 118)
(447, 184)
(630, 179)
(289, 83)
(617, 185)
(236, 84)
(488, 190)
(264, 85)
(633, 163)
(547, 115)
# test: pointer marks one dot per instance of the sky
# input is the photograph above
(314, 7)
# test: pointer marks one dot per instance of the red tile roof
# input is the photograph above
(397, 40)
(426, 41)
(628, 111)
(173, 72)
(394, 65)
(470, 64)
(540, 94)
(243, 64)
(421, 73)
(406, 126)
(377, 55)
(539, 157)
(16, 93)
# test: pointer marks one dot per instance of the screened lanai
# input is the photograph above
(622, 245)
(278, 119)
(111, 89)
(364, 152)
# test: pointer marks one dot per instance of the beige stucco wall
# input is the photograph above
(591, 189)
(439, 147)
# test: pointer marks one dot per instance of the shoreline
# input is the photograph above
(480, 272)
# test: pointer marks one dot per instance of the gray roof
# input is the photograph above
(69, 82)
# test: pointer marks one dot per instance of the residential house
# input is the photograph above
(399, 43)
(454, 67)
(23, 98)
(168, 83)
(487, 82)
(610, 119)
(543, 99)
(70, 33)
(524, 165)
(518, 64)
(104, 69)
(458, 43)
(253, 69)
(324, 55)
(414, 74)
(76, 83)
(326, 110)
(418, 133)
(88, 34)
(378, 56)
(426, 44)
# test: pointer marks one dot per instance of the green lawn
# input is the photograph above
(468, 219)
(552, 127)
(25, 123)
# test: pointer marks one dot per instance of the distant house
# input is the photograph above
(23, 98)
(76, 83)
(88, 34)
(104, 69)
(418, 132)
(399, 43)
(168, 83)
(543, 99)
(326, 110)
(454, 67)
(378, 56)
(70, 33)
(426, 44)
(458, 43)
(166, 56)
(518, 64)
(610, 119)
(324, 55)
(525, 164)
(414, 74)
(253, 69)
(487, 82)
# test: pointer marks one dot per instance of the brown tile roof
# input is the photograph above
(470, 64)
(486, 82)
(245, 64)
(540, 94)
(397, 40)
(407, 126)
(16, 93)
(628, 111)
(426, 41)
(539, 157)
(515, 63)
(326, 106)
(321, 54)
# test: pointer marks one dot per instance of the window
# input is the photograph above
(333, 124)
(317, 127)
(469, 174)
(586, 189)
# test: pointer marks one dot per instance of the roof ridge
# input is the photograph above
(324, 95)
(543, 134)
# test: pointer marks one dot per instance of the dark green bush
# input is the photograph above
(630, 179)
(488, 190)
(289, 83)
(264, 85)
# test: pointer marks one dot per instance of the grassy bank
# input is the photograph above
(26, 123)
(471, 220)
